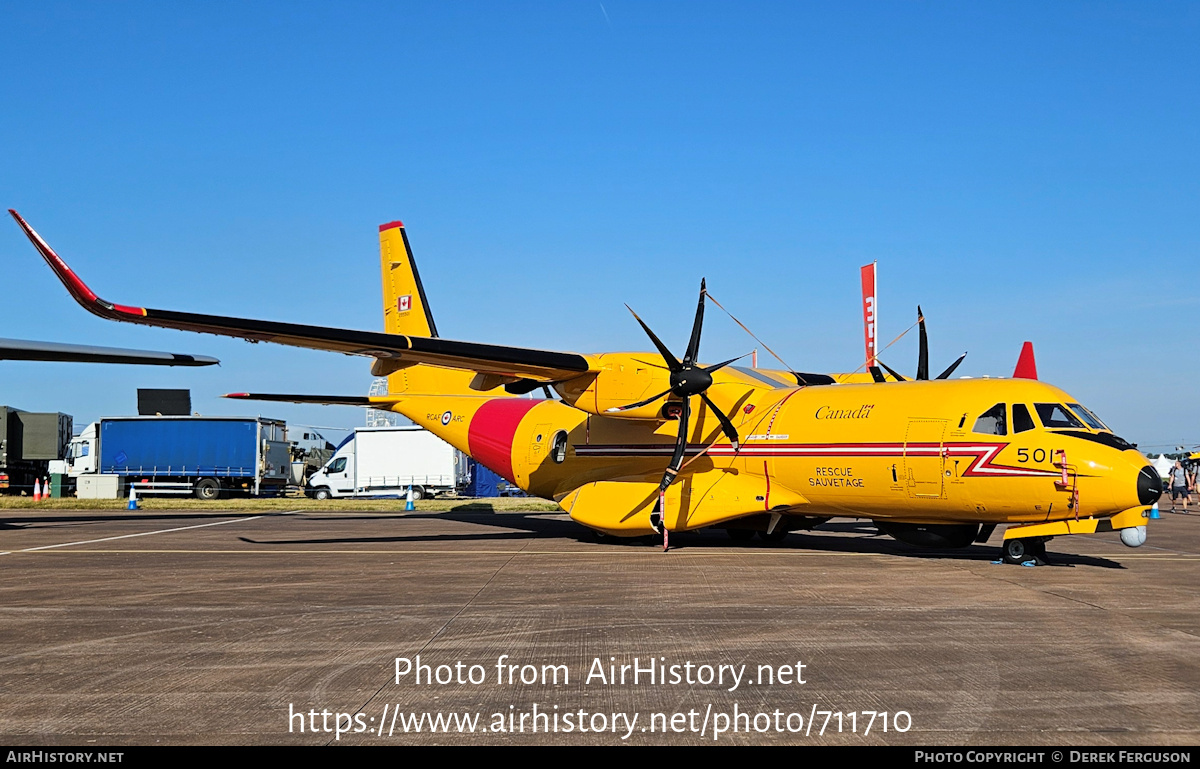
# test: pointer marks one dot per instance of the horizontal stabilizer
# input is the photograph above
(19, 349)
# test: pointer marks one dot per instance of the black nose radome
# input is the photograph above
(1149, 486)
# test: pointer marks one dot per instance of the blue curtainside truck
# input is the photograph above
(205, 456)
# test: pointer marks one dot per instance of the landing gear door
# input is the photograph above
(924, 459)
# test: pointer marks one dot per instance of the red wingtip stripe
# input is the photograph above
(76, 286)
(391, 225)
(236, 395)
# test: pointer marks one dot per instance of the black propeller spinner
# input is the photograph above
(923, 355)
(687, 380)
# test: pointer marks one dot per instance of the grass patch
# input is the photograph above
(500, 504)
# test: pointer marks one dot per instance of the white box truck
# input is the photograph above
(384, 462)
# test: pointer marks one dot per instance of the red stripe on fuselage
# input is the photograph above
(490, 436)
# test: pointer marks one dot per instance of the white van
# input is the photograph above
(384, 462)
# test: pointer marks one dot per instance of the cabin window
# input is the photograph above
(1092, 420)
(992, 421)
(1056, 415)
(1022, 420)
(339, 465)
(558, 448)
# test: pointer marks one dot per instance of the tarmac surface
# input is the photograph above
(142, 628)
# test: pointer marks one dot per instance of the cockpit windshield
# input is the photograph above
(1056, 415)
(1092, 420)
(992, 421)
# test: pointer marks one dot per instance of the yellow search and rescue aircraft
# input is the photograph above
(647, 442)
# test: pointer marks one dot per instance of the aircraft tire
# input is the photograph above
(1022, 550)
(207, 489)
(775, 536)
(1014, 551)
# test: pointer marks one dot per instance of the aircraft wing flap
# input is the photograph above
(469, 356)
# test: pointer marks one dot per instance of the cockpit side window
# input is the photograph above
(992, 421)
(1056, 415)
(1092, 420)
(1022, 420)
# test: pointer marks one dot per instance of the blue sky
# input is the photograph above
(1024, 171)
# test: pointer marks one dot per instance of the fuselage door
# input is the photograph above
(924, 461)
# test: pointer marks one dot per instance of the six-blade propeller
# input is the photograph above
(687, 380)
(922, 356)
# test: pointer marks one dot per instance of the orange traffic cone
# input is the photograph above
(37, 490)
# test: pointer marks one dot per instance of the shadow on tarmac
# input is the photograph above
(847, 536)
(61, 520)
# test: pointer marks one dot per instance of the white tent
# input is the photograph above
(1163, 466)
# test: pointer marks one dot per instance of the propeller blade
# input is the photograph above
(711, 369)
(680, 447)
(639, 404)
(726, 425)
(953, 366)
(672, 362)
(923, 350)
(693, 348)
(891, 371)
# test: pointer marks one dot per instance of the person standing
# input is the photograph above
(1179, 486)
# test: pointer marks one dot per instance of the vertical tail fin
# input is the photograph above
(406, 311)
(405, 308)
(1026, 366)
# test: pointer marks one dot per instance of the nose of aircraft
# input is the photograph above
(1149, 486)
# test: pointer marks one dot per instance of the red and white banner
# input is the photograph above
(870, 314)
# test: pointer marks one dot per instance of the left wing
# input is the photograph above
(320, 400)
(19, 349)
(541, 365)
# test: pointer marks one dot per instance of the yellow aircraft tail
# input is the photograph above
(406, 311)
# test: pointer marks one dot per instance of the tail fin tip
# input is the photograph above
(1026, 365)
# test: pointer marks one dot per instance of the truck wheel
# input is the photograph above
(322, 493)
(418, 492)
(207, 489)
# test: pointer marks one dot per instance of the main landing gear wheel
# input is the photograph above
(1023, 550)
(774, 536)
(207, 489)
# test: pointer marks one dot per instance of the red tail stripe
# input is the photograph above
(490, 436)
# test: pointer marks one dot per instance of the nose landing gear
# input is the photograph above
(1024, 550)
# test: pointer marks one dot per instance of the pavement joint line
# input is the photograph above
(442, 629)
(127, 536)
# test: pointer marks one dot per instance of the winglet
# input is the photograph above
(84, 295)
(1026, 366)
